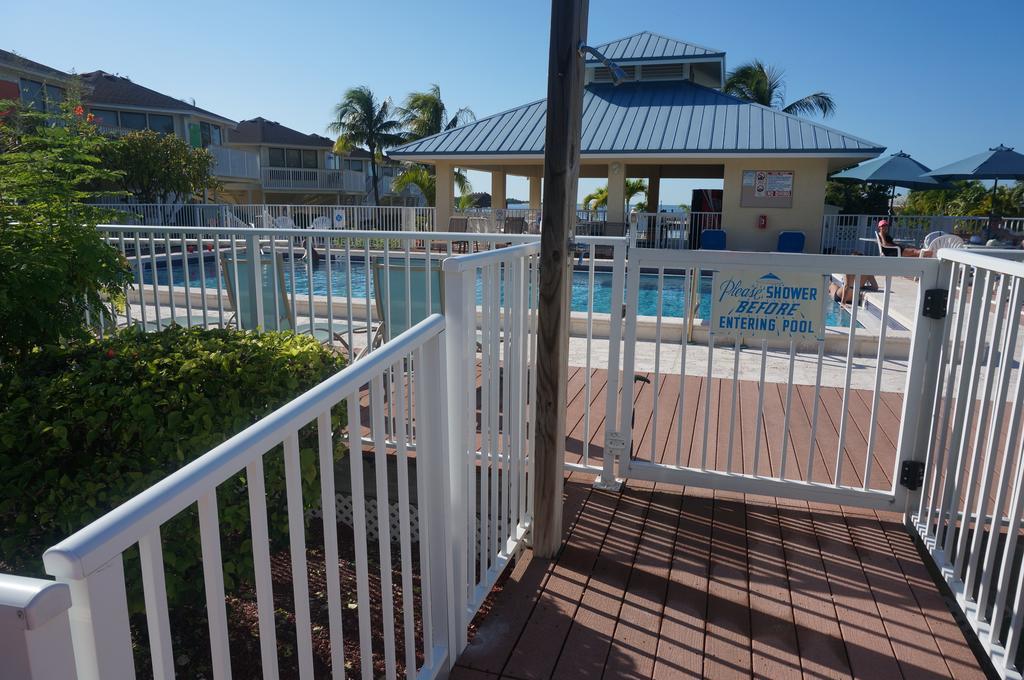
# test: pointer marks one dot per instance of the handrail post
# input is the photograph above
(35, 636)
(99, 624)
(255, 282)
(460, 324)
(438, 510)
(614, 437)
(919, 389)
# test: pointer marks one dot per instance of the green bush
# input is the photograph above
(55, 269)
(85, 427)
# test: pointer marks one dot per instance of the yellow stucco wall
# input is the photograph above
(809, 177)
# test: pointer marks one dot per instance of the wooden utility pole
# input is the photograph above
(561, 176)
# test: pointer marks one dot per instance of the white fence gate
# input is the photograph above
(700, 420)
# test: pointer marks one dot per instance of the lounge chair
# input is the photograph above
(944, 241)
(460, 225)
(400, 295)
(791, 242)
(515, 225)
(712, 239)
(279, 315)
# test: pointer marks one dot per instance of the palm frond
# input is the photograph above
(817, 103)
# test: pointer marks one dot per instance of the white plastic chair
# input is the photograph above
(944, 241)
(927, 243)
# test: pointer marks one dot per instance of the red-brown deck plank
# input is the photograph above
(657, 581)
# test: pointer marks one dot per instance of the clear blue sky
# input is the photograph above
(940, 79)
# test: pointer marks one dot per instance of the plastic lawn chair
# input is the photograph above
(712, 239)
(791, 242)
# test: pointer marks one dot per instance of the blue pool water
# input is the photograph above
(673, 298)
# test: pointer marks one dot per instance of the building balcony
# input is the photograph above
(315, 179)
(235, 163)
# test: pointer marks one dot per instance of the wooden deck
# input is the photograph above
(660, 582)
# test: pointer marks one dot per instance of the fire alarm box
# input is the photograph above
(762, 221)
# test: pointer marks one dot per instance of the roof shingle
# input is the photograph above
(110, 90)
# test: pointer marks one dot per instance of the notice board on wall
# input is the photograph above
(767, 189)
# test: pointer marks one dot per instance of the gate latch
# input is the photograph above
(935, 300)
(912, 474)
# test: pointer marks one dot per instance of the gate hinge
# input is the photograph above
(912, 474)
(935, 301)
(616, 443)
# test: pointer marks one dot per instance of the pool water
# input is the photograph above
(672, 304)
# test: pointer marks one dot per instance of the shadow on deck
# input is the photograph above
(660, 582)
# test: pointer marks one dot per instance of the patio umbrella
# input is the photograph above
(1002, 162)
(897, 170)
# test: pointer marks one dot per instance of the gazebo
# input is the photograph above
(670, 119)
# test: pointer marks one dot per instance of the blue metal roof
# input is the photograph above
(647, 118)
(647, 46)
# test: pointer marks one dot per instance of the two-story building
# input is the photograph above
(121, 106)
(32, 83)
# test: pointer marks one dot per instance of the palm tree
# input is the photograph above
(763, 84)
(598, 198)
(425, 179)
(424, 114)
(359, 120)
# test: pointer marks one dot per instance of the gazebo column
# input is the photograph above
(498, 197)
(443, 194)
(535, 183)
(654, 191)
(616, 193)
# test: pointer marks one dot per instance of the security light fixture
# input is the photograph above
(618, 75)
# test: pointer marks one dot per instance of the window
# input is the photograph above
(308, 158)
(33, 94)
(105, 117)
(209, 134)
(354, 166)
(293, 158)
(276, 158)
(133, 121)
(54, 97)
(161, 123)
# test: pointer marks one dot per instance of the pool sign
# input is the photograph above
(768, 305)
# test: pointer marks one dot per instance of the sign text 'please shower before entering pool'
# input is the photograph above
(752, 305)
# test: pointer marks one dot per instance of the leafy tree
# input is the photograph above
(466, 202)
(55, 269)
(157, 168)
(967, 197)
(763, 84)
(858, 199)
(360, 120)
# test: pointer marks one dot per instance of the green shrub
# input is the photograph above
(85, 427)
(55, 268)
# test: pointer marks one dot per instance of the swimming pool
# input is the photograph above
(673, 298)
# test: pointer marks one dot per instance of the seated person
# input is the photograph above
(886, 240)
(995, 231)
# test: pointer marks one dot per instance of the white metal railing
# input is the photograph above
(667, 296)
(848, 234)
(395, 218)
(470, 489)
(392, 396)
(971, 506)
(317, 281)
(490, 310)
(314, 178)
(235, 163)
(675, 231)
